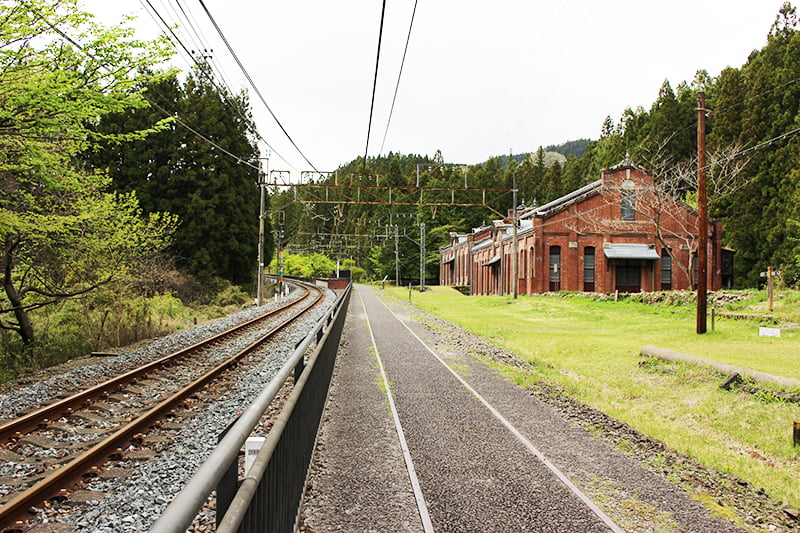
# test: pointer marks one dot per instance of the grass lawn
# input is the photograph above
(591, 348)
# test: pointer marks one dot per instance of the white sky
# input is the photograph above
(481, 77)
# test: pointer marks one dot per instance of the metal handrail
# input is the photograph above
(180, 513)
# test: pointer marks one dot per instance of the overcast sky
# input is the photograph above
(480, 78)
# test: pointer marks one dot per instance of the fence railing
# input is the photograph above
(268, 499)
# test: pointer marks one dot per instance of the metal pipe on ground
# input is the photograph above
(763, 377)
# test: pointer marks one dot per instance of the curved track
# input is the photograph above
(108, 416)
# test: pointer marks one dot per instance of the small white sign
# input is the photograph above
(769, 332)
(251, 448)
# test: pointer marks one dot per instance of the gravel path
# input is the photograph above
(360, 453)
(475, 475)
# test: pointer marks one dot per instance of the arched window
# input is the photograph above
(628, 200)
(588, 269)
(555, 268)
(533, 265)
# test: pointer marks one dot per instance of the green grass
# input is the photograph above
(592, 349)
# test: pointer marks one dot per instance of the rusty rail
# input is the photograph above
(71, 472)
(56, 409)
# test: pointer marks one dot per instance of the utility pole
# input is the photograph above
(259, 278)
(515, 244)
(396, 255)
(422, 253)
(274, 176)
(702, 219)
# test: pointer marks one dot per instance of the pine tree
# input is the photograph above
(214, 195)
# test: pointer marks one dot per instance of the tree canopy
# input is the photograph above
(63, 233)
(175, 170)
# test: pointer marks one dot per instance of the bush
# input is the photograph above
(231, 295)
(108, 319)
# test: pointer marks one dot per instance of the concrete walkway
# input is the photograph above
(456, 447)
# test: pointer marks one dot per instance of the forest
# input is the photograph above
(128, 191)
(752, 153)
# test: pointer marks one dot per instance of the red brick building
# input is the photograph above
(617, 233)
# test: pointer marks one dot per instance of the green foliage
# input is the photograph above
(174, 170)
(231, 295)
(315, 265)
(63, 235)
(571, 148)
(357, 274)
(759, 217)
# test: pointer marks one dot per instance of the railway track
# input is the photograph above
(55, 446)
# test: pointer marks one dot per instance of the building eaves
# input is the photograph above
(481, 245)
(565, 201)
(525, 227)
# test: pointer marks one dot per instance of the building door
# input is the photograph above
(629, 275)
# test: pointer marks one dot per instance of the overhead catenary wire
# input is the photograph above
(167, 114)
(203, 71)
(399, 75)
(374, 83)
(252, 83)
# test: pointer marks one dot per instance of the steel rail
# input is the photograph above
(56, 409)
(180, 513)
(71, 472)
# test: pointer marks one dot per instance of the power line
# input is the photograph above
(374, 83)
(203, 70)
(143, 96)
(397, 87)
(252, 83)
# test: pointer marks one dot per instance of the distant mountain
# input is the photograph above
(553, 153)
(576, 148)
(550, 157)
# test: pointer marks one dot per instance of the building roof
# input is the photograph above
(619, 250)
(491, 261)
(626, 163)
(480, 245)
(565, 201)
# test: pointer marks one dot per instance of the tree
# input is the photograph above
(62, 234)
(551, 183)
(175, 170)
(757, 105)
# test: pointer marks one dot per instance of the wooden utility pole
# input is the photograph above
(702, 219)
(515, 244)
(262, 182)
(769, 287)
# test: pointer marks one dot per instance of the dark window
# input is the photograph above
(629, 275)
(555, 268)
(666, 270)
(588, 269)
(533, 266)
(628, 205)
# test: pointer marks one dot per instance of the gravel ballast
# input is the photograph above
(133, 502)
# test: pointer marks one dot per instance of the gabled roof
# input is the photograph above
(626, 163)
(565, 201)
(480, 245)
